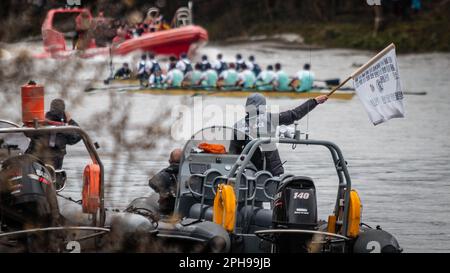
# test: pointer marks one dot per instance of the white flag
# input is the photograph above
(377, 84)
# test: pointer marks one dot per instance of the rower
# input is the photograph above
(196, 74)
(265, 79)
(209, 79)
(246, 78)
(220, 65)
(229, 77)
(157, 80)
(172, 60)
(142, 70)
(123, 73)
(254, 67)
(282, 82)
(306, 78)
(184, 64)
(174, 77)
(152, 64)
(239, 62)
(205, 63)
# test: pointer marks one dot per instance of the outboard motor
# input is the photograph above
(28, 200)
(295, 207)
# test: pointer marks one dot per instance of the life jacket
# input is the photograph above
(223, 67)
(205, 65)
(239, 64)
(188, 67)
(155, 67)
(259, 124)
(256, 69)
(262, 125)
(224, 209)
(212, 148)
(141, 67)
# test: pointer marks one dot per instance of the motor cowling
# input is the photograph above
(295, 204)
(295, 207)
(27, 189)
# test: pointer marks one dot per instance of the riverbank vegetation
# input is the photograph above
(326, 23)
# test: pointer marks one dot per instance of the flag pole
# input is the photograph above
(364, 67)
(339, 86)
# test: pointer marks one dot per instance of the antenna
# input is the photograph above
(190, 6)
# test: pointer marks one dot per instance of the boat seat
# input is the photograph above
(204, 183)
(266, 186)
(259, 217)
(195, 211)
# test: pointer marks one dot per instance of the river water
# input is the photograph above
(400, 168)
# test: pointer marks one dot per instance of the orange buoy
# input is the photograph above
(32, 103)
(91, 189)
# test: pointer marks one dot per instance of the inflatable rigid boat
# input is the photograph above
(183, 37)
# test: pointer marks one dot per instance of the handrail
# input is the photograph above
(33, 230)
(88, 144)
(337, 156)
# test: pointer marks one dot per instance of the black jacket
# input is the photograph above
(51, 148)
(273, 161)
(165, 181)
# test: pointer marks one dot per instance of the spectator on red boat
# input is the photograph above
(205, 65)
(102, 30)
(139, 29)
(184, 64)
(82, 25)
(121, 35)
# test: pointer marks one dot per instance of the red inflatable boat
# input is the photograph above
(172, 41)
